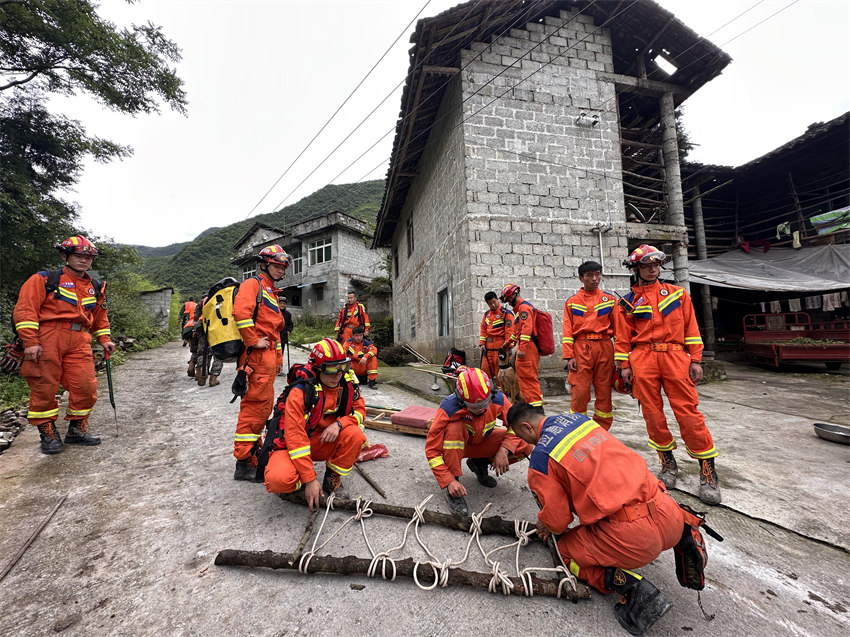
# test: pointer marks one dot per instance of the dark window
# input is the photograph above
(443, 312)
(409, 236)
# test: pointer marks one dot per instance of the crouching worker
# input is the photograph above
(626, 517)
(465, 427)
(322, 419)
(364, 357)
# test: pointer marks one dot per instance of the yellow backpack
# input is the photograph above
(223, 336)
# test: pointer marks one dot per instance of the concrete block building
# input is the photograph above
(526, 133)
(331, 255)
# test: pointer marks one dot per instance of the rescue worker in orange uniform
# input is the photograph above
(262, 358)
(465, 427)
(657, 346)
(353, 314)
(323, 420)
(56, 330)
(497, 324)
(187, 320)
(626, 517)
(364, 357)
(586, 345)
(527, 355)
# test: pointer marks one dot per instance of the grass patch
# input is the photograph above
(310, 328)
(14, 391)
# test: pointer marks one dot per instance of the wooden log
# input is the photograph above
(493, 525)
(385, 425)
(351, 565)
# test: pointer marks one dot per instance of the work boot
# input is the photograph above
(373, 384)
(191, 370)
(78, 434)
(51, 443)
(213, 380)
(457, 505)
(245, 469)
(669, 469)
(479, 467)
(331, 481)
(641, 604)
(201, 378)
(709, 486)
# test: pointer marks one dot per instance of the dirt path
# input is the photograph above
(131, 550)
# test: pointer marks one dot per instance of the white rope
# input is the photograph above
(442, 569)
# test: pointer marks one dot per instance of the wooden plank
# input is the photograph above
(386, 425)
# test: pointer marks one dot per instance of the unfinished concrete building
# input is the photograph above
(533, 136)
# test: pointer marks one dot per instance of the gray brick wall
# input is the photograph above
(537, 184)
(158, 303)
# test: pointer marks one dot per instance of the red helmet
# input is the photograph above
(475, 389)
(619, 384)
(643, 255)
(78, 245)
(508, 292)
(275, 254)
(328, 352)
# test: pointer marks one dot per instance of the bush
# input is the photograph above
(310, 327)
(381, 333)
(127, 313)
(14, 391)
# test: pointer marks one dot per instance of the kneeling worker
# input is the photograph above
(465, 427)
(323, 420)
(364, 357)
(626, 517)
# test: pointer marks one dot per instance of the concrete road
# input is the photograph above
(131, 550)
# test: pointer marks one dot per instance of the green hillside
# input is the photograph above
(200, 263)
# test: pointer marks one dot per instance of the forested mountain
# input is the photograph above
(192, 267)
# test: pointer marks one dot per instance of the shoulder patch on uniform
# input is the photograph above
(523, 315)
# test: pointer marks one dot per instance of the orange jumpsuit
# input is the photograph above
(291, 467)
(659, 339)
(526, 367)
(626, 517)
(63, 324)
(587, 332)
(257, 403)
(456, 434)
(496, 327)
(364, 358)
(349, 317)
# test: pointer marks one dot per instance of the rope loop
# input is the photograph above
(383, 558)
(364, 509)
(500, 578)
(436, 576)
(304, 562)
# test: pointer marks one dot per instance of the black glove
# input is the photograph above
(240, 385)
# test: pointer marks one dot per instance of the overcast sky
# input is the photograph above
(264, 76)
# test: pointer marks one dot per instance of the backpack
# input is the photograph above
(223, 336)
(690, 553)
(454, 359)
(51, 285)
(542, 334)
(305, 377)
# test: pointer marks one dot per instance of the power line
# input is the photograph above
(338, 109)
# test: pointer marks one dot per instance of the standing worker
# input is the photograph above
(364, 357)
(496, 327)
(187, 321)
(657, 346)
(626, 518)
(586, 345)
(353, 314)
(527, 355)
(260, 325)
(56, 315)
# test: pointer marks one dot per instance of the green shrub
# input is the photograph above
(381, 333)
(127, 313)
(14, 391)
(310, 327)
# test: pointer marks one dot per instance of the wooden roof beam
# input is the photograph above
(652, 88)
